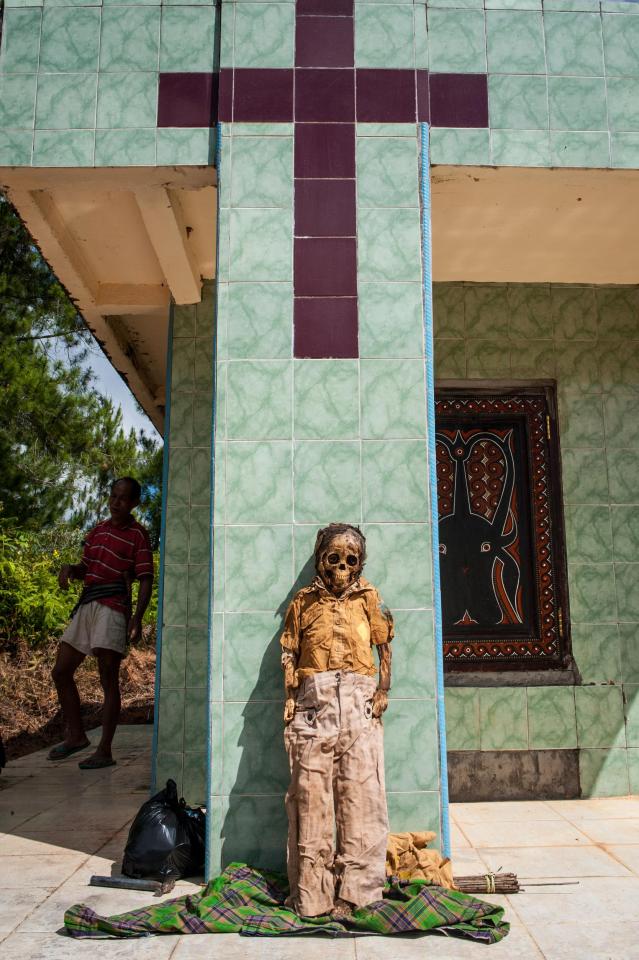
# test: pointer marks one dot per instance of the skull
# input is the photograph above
(340, 551)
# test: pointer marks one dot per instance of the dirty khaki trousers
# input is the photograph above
(336, 801)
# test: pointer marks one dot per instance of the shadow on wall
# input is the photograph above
(255, 826)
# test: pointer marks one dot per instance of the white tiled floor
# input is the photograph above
(61, 825)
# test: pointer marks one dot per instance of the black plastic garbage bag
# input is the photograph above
(166, 840)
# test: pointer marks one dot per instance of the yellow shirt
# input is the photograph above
(336, 633)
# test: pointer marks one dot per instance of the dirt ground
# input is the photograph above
(29, 714)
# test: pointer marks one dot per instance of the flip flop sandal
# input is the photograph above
(62, 751)
(96, 763)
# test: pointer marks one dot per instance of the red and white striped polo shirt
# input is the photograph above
(110, 552)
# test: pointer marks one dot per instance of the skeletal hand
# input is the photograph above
(380, 702)
(289, 710)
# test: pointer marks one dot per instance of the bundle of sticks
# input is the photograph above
(488, 883)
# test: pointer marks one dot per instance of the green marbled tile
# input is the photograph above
(573, 6)
(399, 564)
(503, 719)
(253, 580)
(623, 103)
(252, 669)
(574, 44)
(450, 359)
(407, 809)
(203, 364)
(326, 399)
(183, 316)
(168, 765)
(625, 532)
(625, 150)
(487, 311)
(259, 399)
(224, 244)
(588, 533)
(618, 311)
(264, 35)
(579, 149)
(456, 4)
(577, 103)
(596, 650)
(114, 148)
(255, 761)
(20, 40)
(626, 578)
(176, 548)
(631, 712)
(130, 38)
(462, 718)
(618, 6)
(261, 244)
(209, 656)
(633, 769)
(512, 4)
(390, 320)
(198, 595)
(603, 773)
(188, 145)
(259, 482)
(202, 419)
(622, 420)
(227, 35)
(395, 480)
(219, 569)
(529, 310)
(578, 367)
(17, 101)
(621, 45)
(629, 641)
(195, 716)
(197, 643)
(600, 721)
(584, 476)
(199, 534)
(304, 536)
(393, 404)
(194, 777)
(200, 476)
(421, 37)
(457, 146)
(414, 655)
(487, 358)
(219, 492)
(15, 147)
(386, 129)
(389, 244)
(216, 747)
(173, 657)
(619, 360)
(181, 434)
(623, 470)
(551, 718)
(205, 310)
(456, 41)
(63, 148)
(448, 310)
(515, 42)
(218, 403)
(405, 723)
(258, 129)
(260, 320)
(179, 491)
(387, 171)
(127, 100)
(517, 102)
(188, 39)
(574, 312)
(70, 39)
(171, 720)
(327, 481)
(592, 592)
(175, 594)
(384, 36)
(262, 172)
(581, 420)
(254, 831)
(520, 148)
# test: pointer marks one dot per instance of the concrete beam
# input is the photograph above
(169, 236)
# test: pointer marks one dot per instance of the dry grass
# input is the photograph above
(30, 717)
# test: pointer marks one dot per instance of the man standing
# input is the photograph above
(116, 552)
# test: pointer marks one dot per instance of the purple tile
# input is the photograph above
(225, 100)
(325, 327)
(325, 95)
(329, 8)
(187, 99)
(262, 95)
(386, 96)
(324, 42)
(325, 208)
(325, 268)
(459, 99)
(324, 150)
(423, 100)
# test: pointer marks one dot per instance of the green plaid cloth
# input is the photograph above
(251, 902)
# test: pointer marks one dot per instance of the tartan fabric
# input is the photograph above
(251, 902)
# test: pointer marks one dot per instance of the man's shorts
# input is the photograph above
(96, 625)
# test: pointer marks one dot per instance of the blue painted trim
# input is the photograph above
(432, 475)
(209, 774)
(165, 492)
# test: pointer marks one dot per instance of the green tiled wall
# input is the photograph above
(301, 442)
(182, 707)
(587, 338)
(79, 81)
